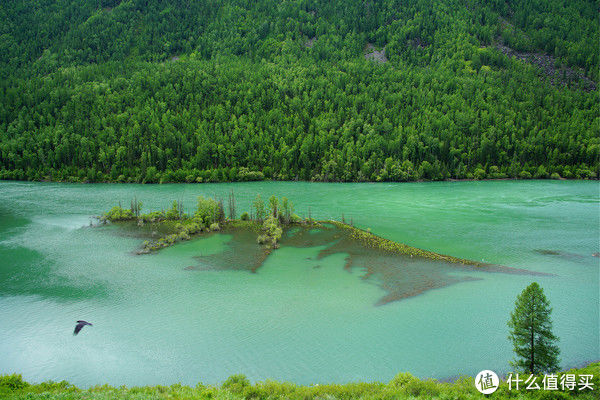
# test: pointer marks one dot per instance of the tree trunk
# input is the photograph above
(532, 360)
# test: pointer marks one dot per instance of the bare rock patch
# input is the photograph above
(371, 53)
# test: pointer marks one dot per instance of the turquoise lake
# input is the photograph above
(298, 318)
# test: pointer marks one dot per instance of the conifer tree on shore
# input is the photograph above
(531, 334)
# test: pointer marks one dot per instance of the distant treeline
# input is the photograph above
(183, 91)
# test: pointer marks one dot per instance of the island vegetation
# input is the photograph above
(268, 221)
(238, 387)
(180, 91)
(209, 216)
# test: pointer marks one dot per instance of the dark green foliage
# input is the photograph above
(183, 91)
(136, 207)
(530, 325)
(560, 28)
(12, 382)
(259, 206)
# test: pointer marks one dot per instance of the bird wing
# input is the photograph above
(78, 327)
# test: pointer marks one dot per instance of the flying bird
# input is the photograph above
(80, 325)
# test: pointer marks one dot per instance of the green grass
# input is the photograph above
(376, 242)
(237, 387)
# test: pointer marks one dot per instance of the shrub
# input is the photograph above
(525, 175)
(12, 382)
(567, 173)
(154, 216)
(214, 226)
(480, 174)
(272, 228)
(245, 216)
(584, 173)
(183, 235)
(193, 228)
(236, 383)
(117, 213)
(262, 239)
(413, 386)
(541, 172)
(208, 210)
(553, 395)
(246, 175)
(173, 212)
(401, 379)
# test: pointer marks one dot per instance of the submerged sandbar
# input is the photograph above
(402, 271)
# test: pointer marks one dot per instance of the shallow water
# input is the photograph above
(300, 317)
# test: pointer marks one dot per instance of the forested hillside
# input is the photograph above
(218, 90)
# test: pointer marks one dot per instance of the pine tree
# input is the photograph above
(259, 205)
(273, 206)
(531, 332)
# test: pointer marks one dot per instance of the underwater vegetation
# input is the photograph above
(401, 270)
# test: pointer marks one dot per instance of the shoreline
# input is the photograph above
(299, 180)
(403, 385)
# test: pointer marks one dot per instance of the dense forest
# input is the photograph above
(235, 90)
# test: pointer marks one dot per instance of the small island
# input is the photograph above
(401, 270)
(268, 222)
(209, 216)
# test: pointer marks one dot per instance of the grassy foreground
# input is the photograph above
(237, 387)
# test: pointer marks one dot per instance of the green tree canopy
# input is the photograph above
(208, 210)
(531, 332)
(156, 91)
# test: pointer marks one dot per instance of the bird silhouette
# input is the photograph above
(80, 325)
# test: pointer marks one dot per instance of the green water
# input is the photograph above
(298, 318)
